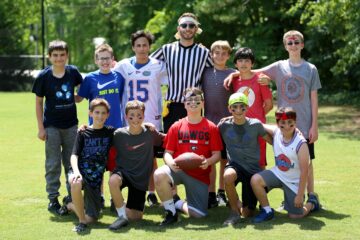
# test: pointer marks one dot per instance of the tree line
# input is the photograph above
(331, 29)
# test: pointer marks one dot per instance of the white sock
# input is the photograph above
(179, 204)
(122, 212)
(169, 205)
(267, 209)
(151, 192)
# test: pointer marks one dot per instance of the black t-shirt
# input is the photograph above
(92, 148)
(60, 108)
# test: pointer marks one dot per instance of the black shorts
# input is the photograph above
(311, 149)
(223, 152)
(136, 197)
(247, 195)
(176, 112)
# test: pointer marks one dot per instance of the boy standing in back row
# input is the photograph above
(57, 120)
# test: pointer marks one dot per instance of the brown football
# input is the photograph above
(188, 160)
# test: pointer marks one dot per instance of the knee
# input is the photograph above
(160, 176)
(256, 180)
(229, 177)
(115, 181)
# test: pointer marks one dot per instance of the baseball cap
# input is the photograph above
(238, 98)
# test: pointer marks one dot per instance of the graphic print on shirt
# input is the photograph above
(101, 86)
(247, 91)
(64, 95)
(283, 163)
(292, 88)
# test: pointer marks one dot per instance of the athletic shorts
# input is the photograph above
(311, 149)
(271, 182)
(248, 197)
(196, 191)
(136, 197)
(176, 112)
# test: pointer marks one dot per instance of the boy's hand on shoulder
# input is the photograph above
(228, 80)
(82, 127)
(42, 134)
(225, 119)
(150, 126)
(264, 79)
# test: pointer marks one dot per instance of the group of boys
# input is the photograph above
(130, 93)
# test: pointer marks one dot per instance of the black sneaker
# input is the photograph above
(169, 218)
(81, 227)
(212, 200)
(54, 206)
(152, 200)
(64, 209)
(119, 223)
(176, 198)
(221, 197)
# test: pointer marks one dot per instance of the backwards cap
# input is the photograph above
(238, 98)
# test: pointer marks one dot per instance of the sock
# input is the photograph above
(179, 204)
(122, 212)
(151, 192)
(169, 205)
(267, 209)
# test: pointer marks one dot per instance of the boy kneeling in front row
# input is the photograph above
(291, 170)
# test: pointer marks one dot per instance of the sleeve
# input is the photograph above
(265, 92)
(158, 138)
(77, 75)
(215, 140)
(84, 90)
(261, 128)
(79, 144)
(163, 75)
(270, 70)
(158, 54)
(315, 79)
(38, 86)
(209, 62)
(171, 139)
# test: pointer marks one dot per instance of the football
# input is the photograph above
(188, 160)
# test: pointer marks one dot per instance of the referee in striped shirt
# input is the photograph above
(185, 61)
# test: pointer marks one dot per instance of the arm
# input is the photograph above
(303, 156)
(268, 105)
(228, 80)
(215, 157)
(76, 176)
(270, 130)
(39, 108)
(169, 160)
(313, 132)
(77, 97)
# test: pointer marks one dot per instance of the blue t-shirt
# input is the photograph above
(60, 108)
(108, 86)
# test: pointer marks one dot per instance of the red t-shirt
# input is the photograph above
(201, 138)
(256, 93)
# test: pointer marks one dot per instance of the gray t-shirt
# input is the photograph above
(294, 85)
(135, 155)
(216, 96)
(241, 141)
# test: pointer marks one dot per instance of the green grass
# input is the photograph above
(23, 203)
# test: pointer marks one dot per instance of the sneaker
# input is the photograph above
(152, 200)
(112, 206)
(102, 200)
(263, 216)
(233, 219)
(119, 223)
(280, 208)
(314, 199)
(212, 200)
(81, 227)
(221, 197)
(54, 205)
(169, 218)
(176, 198)
(63, 210)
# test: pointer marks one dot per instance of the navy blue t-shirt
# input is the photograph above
(60, 108)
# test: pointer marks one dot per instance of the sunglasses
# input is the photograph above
(185, 25)
(292, 43)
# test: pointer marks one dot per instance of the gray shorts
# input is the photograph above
(196, 191)
(271, 182)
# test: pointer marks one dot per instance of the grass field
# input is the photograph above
(23, 202)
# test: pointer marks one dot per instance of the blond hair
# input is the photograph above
(293, 33)
(222, 44)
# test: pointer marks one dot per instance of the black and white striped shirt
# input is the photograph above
(184, 66)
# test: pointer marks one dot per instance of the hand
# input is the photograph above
(264, 79)
(225, 118)
(299, 201)
(205, 164)
(75, 178)
(150, 126)
(173, 165)
(82, 127)
(313, 134)
(228, 80)
(42, 134)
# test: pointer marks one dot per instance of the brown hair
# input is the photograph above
(99, 102)
(104, 48)
(57, 45)
(193, 91)
(222, 45)
(134, 104)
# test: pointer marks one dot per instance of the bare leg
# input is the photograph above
(230, 177)
(310, 181)
(78, 201)
(258, 185)
(151, 182)
(115, 183)
(163, 185)
(221, 173)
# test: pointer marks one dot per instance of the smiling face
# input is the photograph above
(187, 30)
(104, 61)
(194, 104)
(135, 117)
(220, 56)
(293, 44)
(238, 111)
(244, 65)
(58, 58)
